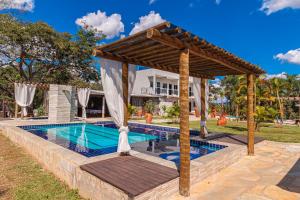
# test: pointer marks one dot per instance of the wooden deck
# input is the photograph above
(130, 174)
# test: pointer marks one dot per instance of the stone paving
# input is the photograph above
(272, 174)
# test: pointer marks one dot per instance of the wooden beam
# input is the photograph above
(134, 61)
(184, 180)
(174, 42)
(250, 113)
(203, 109)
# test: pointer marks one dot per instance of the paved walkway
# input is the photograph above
(272, 174)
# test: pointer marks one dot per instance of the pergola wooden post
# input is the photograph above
(16, 110)
(125, 96)
(184, 181)
(250, 113)
(203, 108)
(125, 91)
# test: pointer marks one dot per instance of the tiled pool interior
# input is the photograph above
(102, 138)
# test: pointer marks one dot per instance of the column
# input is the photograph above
(203, 131)
(250, 113)
(125, 91)
(154, 83)
(184, 180)
(16, 110)
(103, 106)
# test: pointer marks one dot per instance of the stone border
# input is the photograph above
(65, 164)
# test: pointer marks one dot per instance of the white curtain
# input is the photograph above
(111, 76)
(24, 94)
(197, 96)
(83, 98)
(197, 92)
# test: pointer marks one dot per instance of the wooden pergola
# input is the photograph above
(171, 48)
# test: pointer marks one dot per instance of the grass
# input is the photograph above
(267, 131)
(21, 177)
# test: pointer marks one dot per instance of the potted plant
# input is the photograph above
(149, 108)
(131, 110)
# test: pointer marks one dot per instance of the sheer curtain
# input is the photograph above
(197, 96)
(83, 98)
(24, 94)
(111, 76)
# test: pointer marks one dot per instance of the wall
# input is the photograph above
(62, 103)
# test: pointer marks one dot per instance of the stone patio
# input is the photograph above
(272, 174)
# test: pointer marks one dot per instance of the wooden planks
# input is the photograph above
(130, 174)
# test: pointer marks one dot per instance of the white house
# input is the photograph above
(151, 84)
(160, 86)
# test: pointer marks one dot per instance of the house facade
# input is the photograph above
(151, 84)
(159, 86)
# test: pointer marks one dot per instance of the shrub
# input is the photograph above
(173, 112)
(149, 107)
(131, 109)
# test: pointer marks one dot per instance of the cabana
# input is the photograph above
(170, 48)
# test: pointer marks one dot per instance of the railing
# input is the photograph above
(147, 90)
(158, 91)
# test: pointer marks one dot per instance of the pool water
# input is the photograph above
(102, 138)
(87, 139)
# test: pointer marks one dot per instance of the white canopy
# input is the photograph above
(24, 94)
(111, 76)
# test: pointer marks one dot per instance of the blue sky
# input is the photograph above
(240, 26)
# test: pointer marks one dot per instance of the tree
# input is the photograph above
(35, 52)
(278, 85)
(264, 114)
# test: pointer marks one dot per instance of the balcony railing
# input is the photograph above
(159, 91)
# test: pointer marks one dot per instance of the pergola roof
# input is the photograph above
(159, 47)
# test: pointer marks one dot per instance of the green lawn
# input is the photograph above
(21, 177)
(267, 131)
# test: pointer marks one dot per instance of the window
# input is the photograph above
(175, 89)
(158, 88)
(170, 89)
(165, 87)
(191, 91)
(151, 84)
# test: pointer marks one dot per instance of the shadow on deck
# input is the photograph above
(233, 139)
(291, 181)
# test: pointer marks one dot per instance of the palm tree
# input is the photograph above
(278, 86)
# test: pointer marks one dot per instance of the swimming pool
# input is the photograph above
(102, 138)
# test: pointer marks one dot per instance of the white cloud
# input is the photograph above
(152, 2)
(110, 26)
(146, 22)
(24, 5)
(271, 6)
(292, 56)
(282, 75)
